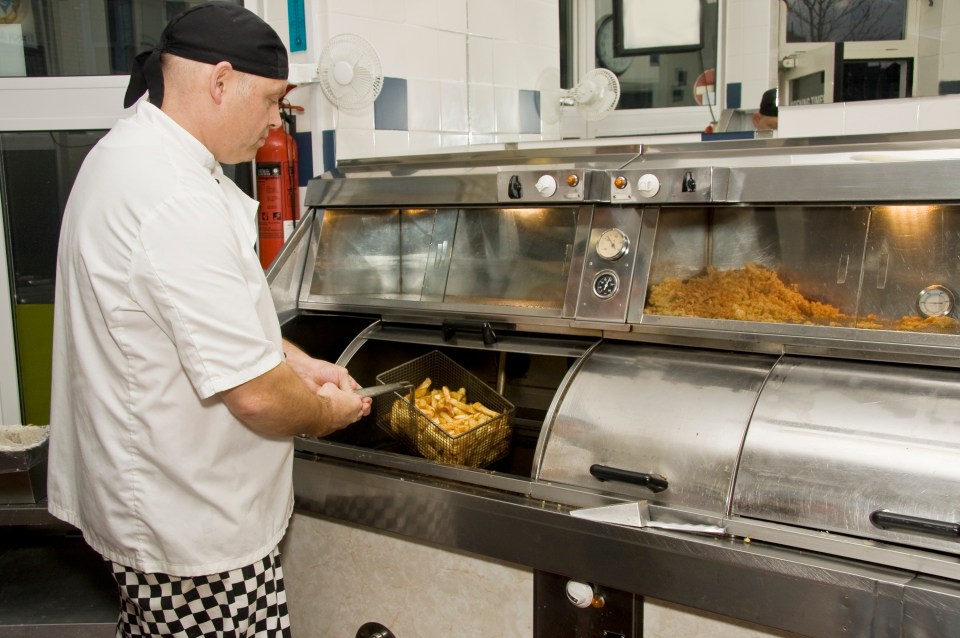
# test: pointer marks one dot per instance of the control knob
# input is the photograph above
(648, 185)
(546, 185)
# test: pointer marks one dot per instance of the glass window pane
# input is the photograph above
(38, 169)
(878, 268)
(846, 20)
(40, 38)
(373, 254)
(655, 80)
(515, 257)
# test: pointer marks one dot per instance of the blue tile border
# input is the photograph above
(949, 87)
(734, 95)
(728, 135)
(529, 105)
(304, 142)
(328, 139)
(390, 108)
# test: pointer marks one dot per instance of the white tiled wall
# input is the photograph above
(470, 68)
(464, 64)
(751, 28)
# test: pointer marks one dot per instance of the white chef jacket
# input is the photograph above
(160, 304)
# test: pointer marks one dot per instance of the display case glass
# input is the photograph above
(870, 267)
(474, 256)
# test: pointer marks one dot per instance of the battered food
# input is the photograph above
(754, 293)
(751, 293)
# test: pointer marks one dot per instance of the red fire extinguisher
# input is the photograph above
(277, 188)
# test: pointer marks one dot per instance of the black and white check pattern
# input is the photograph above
(249, 602)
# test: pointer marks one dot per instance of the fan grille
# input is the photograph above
(361, 86)
(597, 94)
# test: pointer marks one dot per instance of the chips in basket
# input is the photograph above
(468, 425)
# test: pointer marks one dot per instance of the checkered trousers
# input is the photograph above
(249, 602)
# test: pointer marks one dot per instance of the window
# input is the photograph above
(676, 89)
(854, 50)
(846, 20)
(46, 38)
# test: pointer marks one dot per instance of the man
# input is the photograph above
(767, 117)
(174, 397)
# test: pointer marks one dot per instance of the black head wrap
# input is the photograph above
(211, 33)
(768, 103)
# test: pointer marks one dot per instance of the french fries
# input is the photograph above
(449, 409)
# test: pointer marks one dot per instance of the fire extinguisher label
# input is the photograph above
(270, 194)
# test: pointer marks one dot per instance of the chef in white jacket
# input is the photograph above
(174, 396)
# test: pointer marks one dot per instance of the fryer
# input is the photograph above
(753, 344)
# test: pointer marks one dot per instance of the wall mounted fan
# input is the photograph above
(595, 95)
(349, 72)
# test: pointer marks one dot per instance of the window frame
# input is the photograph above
(59, 103)
(636, 122)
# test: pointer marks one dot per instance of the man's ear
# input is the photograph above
(218, 80)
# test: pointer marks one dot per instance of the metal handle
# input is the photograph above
(891, 520)
(653, 482)
(450, 330)
(387, 388)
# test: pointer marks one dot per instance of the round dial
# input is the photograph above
(546, 185)
(613, 244)
(605, 51)
(935, 301)
(606, 284)
(648, 185)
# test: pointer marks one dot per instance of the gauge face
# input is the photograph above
(935, 301)
(613, 244)
(606, 285)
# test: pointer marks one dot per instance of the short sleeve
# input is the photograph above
(197, 277)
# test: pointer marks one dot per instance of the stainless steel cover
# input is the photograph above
(864, 449)
(638, 411)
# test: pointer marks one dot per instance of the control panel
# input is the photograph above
(547, 186)
(671, 185)
(609, 263)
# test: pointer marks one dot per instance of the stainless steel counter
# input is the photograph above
(758, 582)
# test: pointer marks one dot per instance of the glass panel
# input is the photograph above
(37, 170)
(798, 265)
(876, 80)
(911, 273)
(811, 265)
(373, 254)
(846, 20)
(514, 257)
(654, 80)
(81, 37)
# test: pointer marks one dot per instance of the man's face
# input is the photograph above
(251, 108)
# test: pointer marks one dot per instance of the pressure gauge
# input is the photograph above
(935, 301)
(606, 284)
(613, 244)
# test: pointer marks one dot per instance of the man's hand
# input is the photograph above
(316, 372)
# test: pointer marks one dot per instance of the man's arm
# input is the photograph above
(281, 403)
